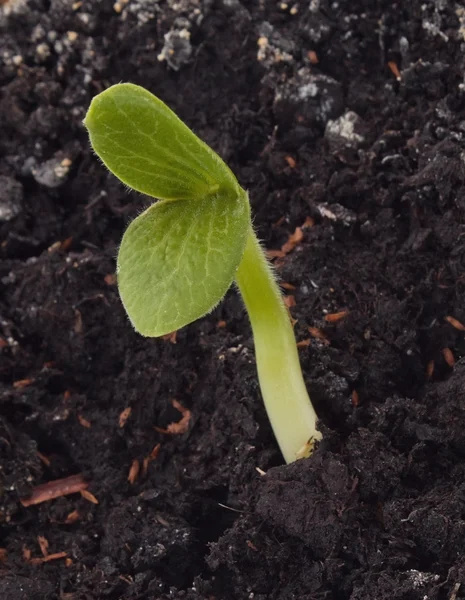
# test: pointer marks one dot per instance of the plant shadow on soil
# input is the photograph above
(346, 117)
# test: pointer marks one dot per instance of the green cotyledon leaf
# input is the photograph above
(143, 143)
(178, 259)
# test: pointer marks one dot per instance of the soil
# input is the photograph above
(345, 117)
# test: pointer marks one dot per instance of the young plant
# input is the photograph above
(179, 257)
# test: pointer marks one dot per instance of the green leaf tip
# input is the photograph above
(144, 143)
(178, 258)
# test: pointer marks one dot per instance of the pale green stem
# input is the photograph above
(283, 389)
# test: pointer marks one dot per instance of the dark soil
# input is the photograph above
(378, 512)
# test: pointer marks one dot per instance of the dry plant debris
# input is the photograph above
(55, 489)
(134, 471)
(335, 317)
(455, 323)
(124, 416)
(179, 427)
(89, 496)
(148, 459)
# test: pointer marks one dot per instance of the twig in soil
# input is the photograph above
(89, 497)
(43, 458)
(134, 472)
(22, 383)
(124, 416)
(84, 422)
(319, 335)
(251, 545)
(72, 517)
(179, 427)
(55, 489)
(335, 317)
(48, 558)
(455, 323)
(448, 356)
(430, 369)
(293, 240)
(394, 70)
(170, 337)
(43, 544)
(303, 343)
(148, 459)
(289, 301)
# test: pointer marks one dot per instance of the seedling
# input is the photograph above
(178, 258)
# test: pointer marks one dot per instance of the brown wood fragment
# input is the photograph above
(289, 301)
(279, 222)
(170, 337)
(55, 489)
(3, 555)
(155, 451)
(43, 544)
(288, 286)
(3, 343)
(48, 558)
(26, 553)
(455, 323)
(309, 222)
(72, 517)
(394, 70)
(89, 497)
(291, 318)
(84, 422)
(221, 324)
(252, 546)
(43, 458)
(151, 457)
(134, 472)
(448, 356)
(303, 343)
(68, 562)
(179, 427)
(430, 369)
(124, 416)
(78, 322)
(162, 521)
(355, 398)
(312, 57)
(294, 239)
(275, 254)
(290, 161)
(335, 317)
(22, 383)
(66, 244)
(319, 335)
(110, 279)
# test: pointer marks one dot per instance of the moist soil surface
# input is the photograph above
(346, 123)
